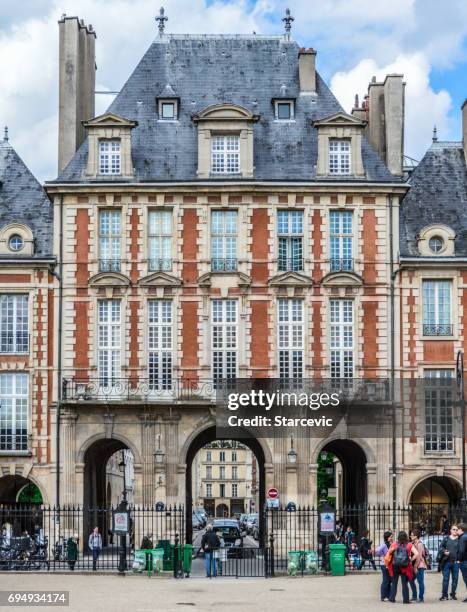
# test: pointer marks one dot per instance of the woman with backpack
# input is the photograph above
(419, 566)
(399, 561)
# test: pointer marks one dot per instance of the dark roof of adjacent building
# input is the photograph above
(438, 194)
(204, 70)
(23, 200)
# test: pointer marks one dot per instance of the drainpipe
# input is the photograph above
(59, 277)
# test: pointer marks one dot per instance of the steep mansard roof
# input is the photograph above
(438, 194)
(22, 200)
(206, 70)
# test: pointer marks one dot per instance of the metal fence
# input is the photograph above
(48, 538)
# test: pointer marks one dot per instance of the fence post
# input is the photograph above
(271, 555)
(176, 560)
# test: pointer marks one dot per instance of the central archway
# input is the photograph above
(354, 483)
(207, 436)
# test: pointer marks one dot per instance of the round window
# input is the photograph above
(16, 243)
(436, 244)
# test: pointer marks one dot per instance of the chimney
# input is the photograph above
(385, 130)
(359, 112)
(77, 79)
(307, 71)
(464, 128)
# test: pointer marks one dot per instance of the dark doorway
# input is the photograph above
(17, 489)
(352, 459)
(205, 437)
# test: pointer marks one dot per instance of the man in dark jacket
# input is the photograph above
(448, 555)
(209, 543)
(462, 552)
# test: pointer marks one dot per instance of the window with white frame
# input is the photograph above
(13, 411)
(222, 456)
(208, 456)
(168, 110)
(109, 157)
(234, 455)
(339, 156)
(439, 403)
(437, 317)
(235, 490)
(160, 344)
(290, 240)
(234, 472)
(225, 154)
(290, 335)
(224, 240)
(340, 225)
(222, 490)
(110, 235)
(109, 342)
(14, 323)
(209, 471)
(224, 339)
(160, 240)
(342, 338)
(284, 110)
(209, 490)
(222, 472)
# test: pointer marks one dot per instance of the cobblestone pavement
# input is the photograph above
(143, 594)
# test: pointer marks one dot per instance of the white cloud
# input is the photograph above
(424, 107)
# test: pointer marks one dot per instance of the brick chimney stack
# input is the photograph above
(307, 71)
(77, 80)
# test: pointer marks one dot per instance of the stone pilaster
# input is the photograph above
(68, 420)
(147, 453)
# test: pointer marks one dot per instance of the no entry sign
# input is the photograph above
(273, 493)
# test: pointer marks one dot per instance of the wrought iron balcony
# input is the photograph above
(223, 265)
(160, 265)
(110, 265)
(138, 389)
(438, 329)
(290, 264)
(341, 264)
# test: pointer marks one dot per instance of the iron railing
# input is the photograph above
(341, 264)
(438, 329)
(138, 389)
(48, 538)
(290, 264)
(224, 264)
(160, 265)
(110, 265)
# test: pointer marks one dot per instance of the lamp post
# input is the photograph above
(123, 507)
(460, 387)
(292, 454)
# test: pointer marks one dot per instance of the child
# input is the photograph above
(354, 557)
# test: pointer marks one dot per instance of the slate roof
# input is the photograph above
(22, 200)
(206, 70)
(438, 194)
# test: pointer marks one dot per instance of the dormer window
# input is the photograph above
(109, 157)
(284, 110)
(15, 242)
(339, 156)
(168, 110)
(225, 154)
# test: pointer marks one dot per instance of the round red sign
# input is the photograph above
(273, 493)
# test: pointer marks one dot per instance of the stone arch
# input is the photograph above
(420, 479)
(115, 436)
(364, 445)
(24, 480)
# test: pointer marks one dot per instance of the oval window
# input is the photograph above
(436, 244)
(16, 242)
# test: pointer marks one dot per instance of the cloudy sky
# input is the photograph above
(424, 39)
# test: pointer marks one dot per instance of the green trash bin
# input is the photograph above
(158, 560)
(310, 562)
(187, 557)
(337, 559)
(294, 562)
(165, 545)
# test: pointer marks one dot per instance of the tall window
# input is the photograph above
(342, 338)
(234, 472)
(109, 342)
(290, 338)
(235, 490)
(13, 412)
(109, 157)
(209, 490)
(341, 240)
(209, 471)
(160, 240)
(14, 324)
(208, 456)
(234, 455)
(339, 156)
(222, 456)
(225, 154)
(439, 402)
(224, 339)
(222, 472)
(290, 239)
(223, 240)
(437, 319)
(222, 490)
(109, 240)
(160, 344)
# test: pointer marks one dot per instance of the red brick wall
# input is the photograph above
(260, 245)
(190, 245)
(369, 246)
(260, 344)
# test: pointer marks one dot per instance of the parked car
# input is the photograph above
(201, 516)
(250, 521)
(242, 521)
(196, 521)
(231, 535)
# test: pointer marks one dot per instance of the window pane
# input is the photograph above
(168, 110)
(283, 110)
(13, 411)
(14, 323)
(160, 344)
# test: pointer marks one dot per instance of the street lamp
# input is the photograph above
(460, 387)
(159, 456)
(324, 455)
(122, 468)
(292, 454)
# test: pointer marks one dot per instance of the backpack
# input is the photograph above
(401, 558)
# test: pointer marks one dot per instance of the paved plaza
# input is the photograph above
(143, 594)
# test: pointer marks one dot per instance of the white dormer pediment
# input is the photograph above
(225, 112)
(339, 119)
(160, 279)
(290, 279)
(109, 279)
(342, 279)
(109, 119)
(224, 280)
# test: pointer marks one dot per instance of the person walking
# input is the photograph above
(399, 559)
(95, 544)
(382, 551)
(448, 562)
(365, 550)
(419, 566)
(462, 552)
(209, 543)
